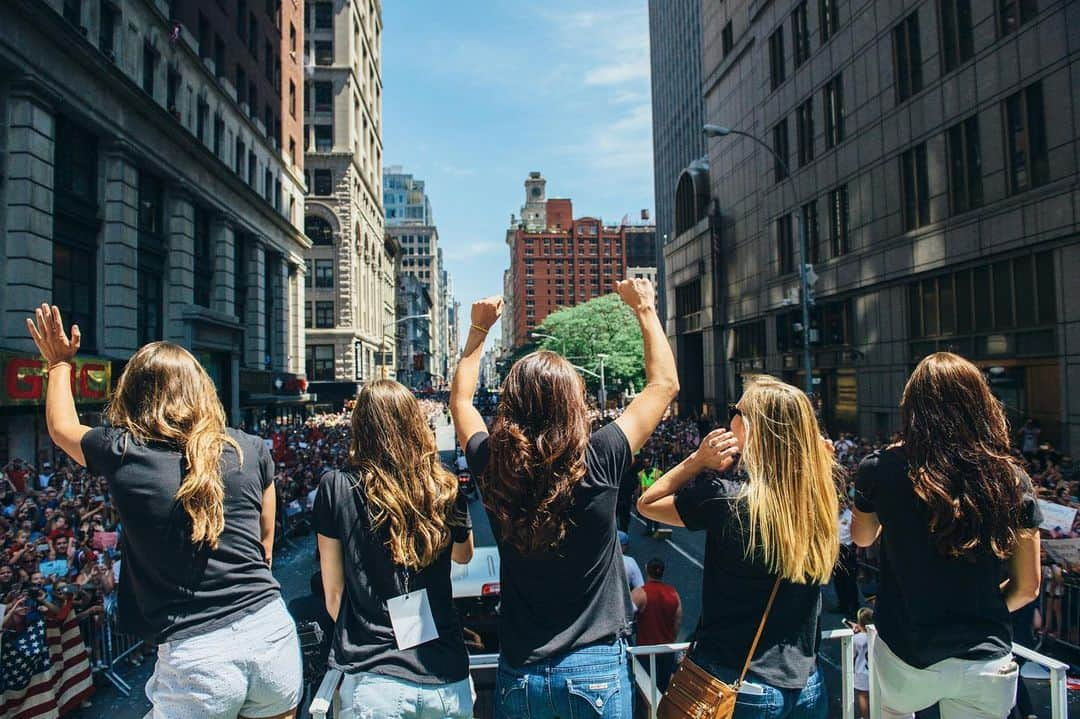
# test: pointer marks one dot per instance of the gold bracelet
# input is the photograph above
(479, 328)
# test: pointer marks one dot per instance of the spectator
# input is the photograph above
(659, 622)
(647, 478)
(847, 567)
(634, 580)
(1029, 438)
(864, 618)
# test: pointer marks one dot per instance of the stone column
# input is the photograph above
(180, 263)
(282, 314)
(296, 315)
(255, 324)
(223, 238)
(28, 225)
(120, 243)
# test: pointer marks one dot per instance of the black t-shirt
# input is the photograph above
(363, 636)
(930, 607)
(735, 590)
(171, 589)
(576, 596)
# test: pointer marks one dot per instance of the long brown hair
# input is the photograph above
(792, 495)
(537, 452)
(406, 487)
(956, 439)
(165, 395)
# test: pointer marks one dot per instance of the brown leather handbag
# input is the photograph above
(693, 693)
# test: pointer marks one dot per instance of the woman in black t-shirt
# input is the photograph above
(782, 523)
(551, 490)
(956, 516)
(388, 530)
(197, 504)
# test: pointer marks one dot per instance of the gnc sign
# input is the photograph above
(25, 379)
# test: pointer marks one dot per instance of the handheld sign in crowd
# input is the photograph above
(1056, 516)
(56, 567)
(104, 540)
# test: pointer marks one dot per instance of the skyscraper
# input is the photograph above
(678, 108)
(350, 339)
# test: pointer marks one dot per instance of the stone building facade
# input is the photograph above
(352, 307)
(934, 153)
(142, 198)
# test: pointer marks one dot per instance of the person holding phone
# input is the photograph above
(772, 540)
(956, 515)
(197, 505)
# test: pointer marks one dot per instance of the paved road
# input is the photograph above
(682, 553)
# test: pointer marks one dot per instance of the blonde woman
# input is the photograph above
(388, 530)
(782, 523)
(196, 502)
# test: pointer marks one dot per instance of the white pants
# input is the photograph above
(973, 689)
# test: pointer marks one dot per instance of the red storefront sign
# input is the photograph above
(25, 379)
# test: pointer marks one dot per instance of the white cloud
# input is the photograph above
(469, 250)
(619, 73)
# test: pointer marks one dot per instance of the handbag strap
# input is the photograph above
(760, 629)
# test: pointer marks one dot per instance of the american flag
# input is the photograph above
(44, 671)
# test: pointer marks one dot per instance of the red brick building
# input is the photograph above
(560, 263)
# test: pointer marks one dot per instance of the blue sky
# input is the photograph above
(477, 93)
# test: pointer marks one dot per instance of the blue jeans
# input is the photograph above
(374, 696)
(810, 702)
(590, 683)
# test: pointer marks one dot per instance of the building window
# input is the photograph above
(292, 99)
(965, 165)
(834, 112)
(781, 148)
(107, 29)
(727, 38)
(1025, 136)
(324, 138)
(219, 56)
(241, 85)
(74, 285)
(309, 272)
(307, 315)
(809, 219)
(800, 34)
(776, 58)
(915, 187)
(324, 52)
(957, 45)
(73, 11)
(1014, 13)
(324, 315)
(201, 115)
(907, 57)
(749, 340)
(324, 16)
(785, 245)
(324, 96)
(292, 39)
(838, 221)
(150, 259)
(272, 283)
(324, 183)
(204, 258)
(241, 155)
(253, 36)
(149, 67)
(219, 134)
(252, 175)
(318, 230)
(319, 363)
(324, 274)
(804, 131)
(829, 19)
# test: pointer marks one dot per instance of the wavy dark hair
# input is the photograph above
(537, 449)
(956, 439)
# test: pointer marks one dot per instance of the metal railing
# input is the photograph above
(108, 648)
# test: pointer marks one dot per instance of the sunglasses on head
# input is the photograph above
(733, 411)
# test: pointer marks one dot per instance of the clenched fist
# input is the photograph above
(486, 312)
(638, 293)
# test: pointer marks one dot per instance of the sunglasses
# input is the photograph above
(733, 411)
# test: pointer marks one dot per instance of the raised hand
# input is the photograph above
(717, 451)
(637, 293)
(487, 311)
(49, 335)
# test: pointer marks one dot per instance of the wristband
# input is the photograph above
(57, 364)
(478, 328)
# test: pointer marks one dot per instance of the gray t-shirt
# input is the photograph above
(169, 588)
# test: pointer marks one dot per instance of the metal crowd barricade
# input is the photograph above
(109, 648)
(1069, 631)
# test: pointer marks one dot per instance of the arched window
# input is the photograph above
(318, 230)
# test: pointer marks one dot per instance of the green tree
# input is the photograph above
(604, 325)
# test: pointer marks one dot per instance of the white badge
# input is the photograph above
(410, 616)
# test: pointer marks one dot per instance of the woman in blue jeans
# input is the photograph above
(550, 489)
(782, 523)
(388, 529)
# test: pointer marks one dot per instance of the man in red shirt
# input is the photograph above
(659, 621)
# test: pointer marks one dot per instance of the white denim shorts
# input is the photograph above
(251, 668)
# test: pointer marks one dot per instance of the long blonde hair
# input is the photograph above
(792, 493)
(406, 487)
(165, 395)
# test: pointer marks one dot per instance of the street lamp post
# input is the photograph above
(804, 256)
(541, 335)
(603, 387)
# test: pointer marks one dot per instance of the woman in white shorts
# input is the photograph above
(196, 501)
